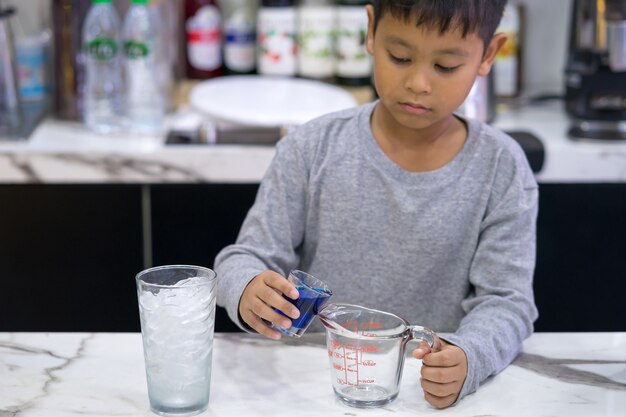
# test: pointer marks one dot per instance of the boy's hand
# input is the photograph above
(443, 373)
(262, 295)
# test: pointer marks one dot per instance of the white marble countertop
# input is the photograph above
(65, 152)
(567, 160)
(102, 374)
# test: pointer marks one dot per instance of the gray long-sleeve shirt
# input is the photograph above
(451, 249)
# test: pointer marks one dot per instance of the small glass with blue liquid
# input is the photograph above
(314, 295)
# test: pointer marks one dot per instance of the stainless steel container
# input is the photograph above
(616, 34)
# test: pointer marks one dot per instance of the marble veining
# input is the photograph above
(559, 369)
(119, 167)
(54, 361)
(22, 166)
(102, 374)
(110, 167)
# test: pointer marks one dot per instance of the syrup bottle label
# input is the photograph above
(277, 43)
(240, 42)
(353, 59)
(204, 39)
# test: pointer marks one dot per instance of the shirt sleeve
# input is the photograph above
(271, 232)
(500, 309)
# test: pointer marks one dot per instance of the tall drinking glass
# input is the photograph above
(177, 312)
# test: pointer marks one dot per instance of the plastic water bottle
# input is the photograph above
(144, 97)
(103, 79)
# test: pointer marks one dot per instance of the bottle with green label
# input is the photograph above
(354, 64)
(316, 32)
(103, 73)
(144, 98)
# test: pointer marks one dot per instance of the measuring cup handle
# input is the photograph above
(427, 335)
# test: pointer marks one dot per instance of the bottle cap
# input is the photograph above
(101, 1)
(140, 1)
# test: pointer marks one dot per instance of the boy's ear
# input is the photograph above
(497, 41)
(370, 29)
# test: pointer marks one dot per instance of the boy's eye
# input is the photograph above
(445, 70)
(398, 60)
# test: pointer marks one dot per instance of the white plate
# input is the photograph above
(267, 101)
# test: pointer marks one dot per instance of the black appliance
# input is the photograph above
(595, 96)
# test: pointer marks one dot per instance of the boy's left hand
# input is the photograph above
(443, 373)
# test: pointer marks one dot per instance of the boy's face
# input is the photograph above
(421, 76)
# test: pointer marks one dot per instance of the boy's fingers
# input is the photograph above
(276, 285)
(439, 390)
(264, 294)
(276, 281)
(269, 297)
(439, 402)
(263, 311)
(438, 374)
(446, 357)
(443, 373)
(262, 302)
(257, 324)
(421, 350)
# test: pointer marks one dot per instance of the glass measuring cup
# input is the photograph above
(366, 349)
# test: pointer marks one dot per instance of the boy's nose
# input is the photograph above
(418, 83)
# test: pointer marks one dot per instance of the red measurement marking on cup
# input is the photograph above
(352, 384)
(350, 358)
(350, 324)
(372, 325)
(369, 349)
(345, 365)
(341, 368)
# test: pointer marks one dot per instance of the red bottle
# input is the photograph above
(203, 46)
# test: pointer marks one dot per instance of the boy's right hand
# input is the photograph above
(261, 297)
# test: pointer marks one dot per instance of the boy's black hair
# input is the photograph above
(469, 16)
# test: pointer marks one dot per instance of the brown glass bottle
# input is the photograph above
(203, 40)
(68, 59)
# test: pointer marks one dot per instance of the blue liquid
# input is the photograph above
(309, 303)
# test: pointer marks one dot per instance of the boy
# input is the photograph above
(400, 205)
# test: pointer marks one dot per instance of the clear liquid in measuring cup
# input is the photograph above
(366, 349)
(364, 373)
